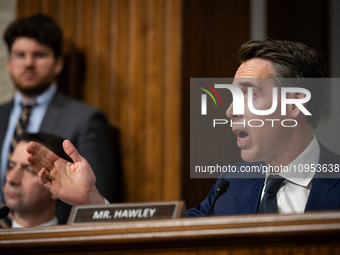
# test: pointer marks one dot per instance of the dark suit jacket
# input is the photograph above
(87, 128)
(243, 195)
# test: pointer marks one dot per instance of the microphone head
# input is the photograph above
(4, 211)
(222, 187)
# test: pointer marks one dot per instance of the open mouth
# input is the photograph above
(241, 135)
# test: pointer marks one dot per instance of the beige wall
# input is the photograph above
(7, 14)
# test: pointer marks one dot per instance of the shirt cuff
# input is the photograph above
(106, 201)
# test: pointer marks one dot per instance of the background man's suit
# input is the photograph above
(87, 128)
(244, 195)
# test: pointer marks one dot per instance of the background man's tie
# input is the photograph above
(269, 203)
(21, 125)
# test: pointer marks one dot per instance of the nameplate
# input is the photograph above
(126, 211)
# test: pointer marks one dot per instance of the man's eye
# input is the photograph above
(40, 55)
(18, 55)
(11, 166)
(30, 170)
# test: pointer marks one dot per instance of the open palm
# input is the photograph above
(73, 183)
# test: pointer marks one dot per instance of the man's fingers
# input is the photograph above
(71, 151)
(43, 176)
(35, 148)
(42, 155)
(34, 163)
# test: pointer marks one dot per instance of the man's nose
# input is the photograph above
(14, 176)
(230, 113)
(29, 60)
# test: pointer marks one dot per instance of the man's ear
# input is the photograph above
(294, 110)
(59, 65)
(9, 65)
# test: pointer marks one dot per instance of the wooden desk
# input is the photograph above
(310, 233)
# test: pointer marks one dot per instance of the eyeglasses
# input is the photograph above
(37, 56)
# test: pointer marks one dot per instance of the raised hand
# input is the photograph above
(73, 183)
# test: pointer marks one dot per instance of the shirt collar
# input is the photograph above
(42, 99)
(297, 171)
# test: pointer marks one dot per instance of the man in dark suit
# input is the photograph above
(244, 195)
(307, 167)
(35, 47)
(265, 64)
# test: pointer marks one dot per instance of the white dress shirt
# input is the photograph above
(293, 194)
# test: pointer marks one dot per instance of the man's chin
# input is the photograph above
(249, 157)
(32, 91)
(10, 203)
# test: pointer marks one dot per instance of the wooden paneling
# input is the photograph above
(308, 234)
(134, 59)
(305, 21)
(124, 56)
(172, 101)
(26, 8)
(213, 31)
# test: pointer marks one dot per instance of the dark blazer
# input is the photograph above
(87, 128)
(243, 195)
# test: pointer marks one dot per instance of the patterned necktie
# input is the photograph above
(269, 203)
(21, 125)
(19, 129)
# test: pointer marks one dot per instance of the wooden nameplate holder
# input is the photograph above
(127, 211)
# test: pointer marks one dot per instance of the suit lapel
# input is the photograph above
(5, 111)
(51, 118)
(325, 192)
(323, 195)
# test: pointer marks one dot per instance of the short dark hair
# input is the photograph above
(39, 27)
(293, 60)
(52, 142)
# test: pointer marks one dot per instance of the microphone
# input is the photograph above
(222, 188)
(4, 211)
